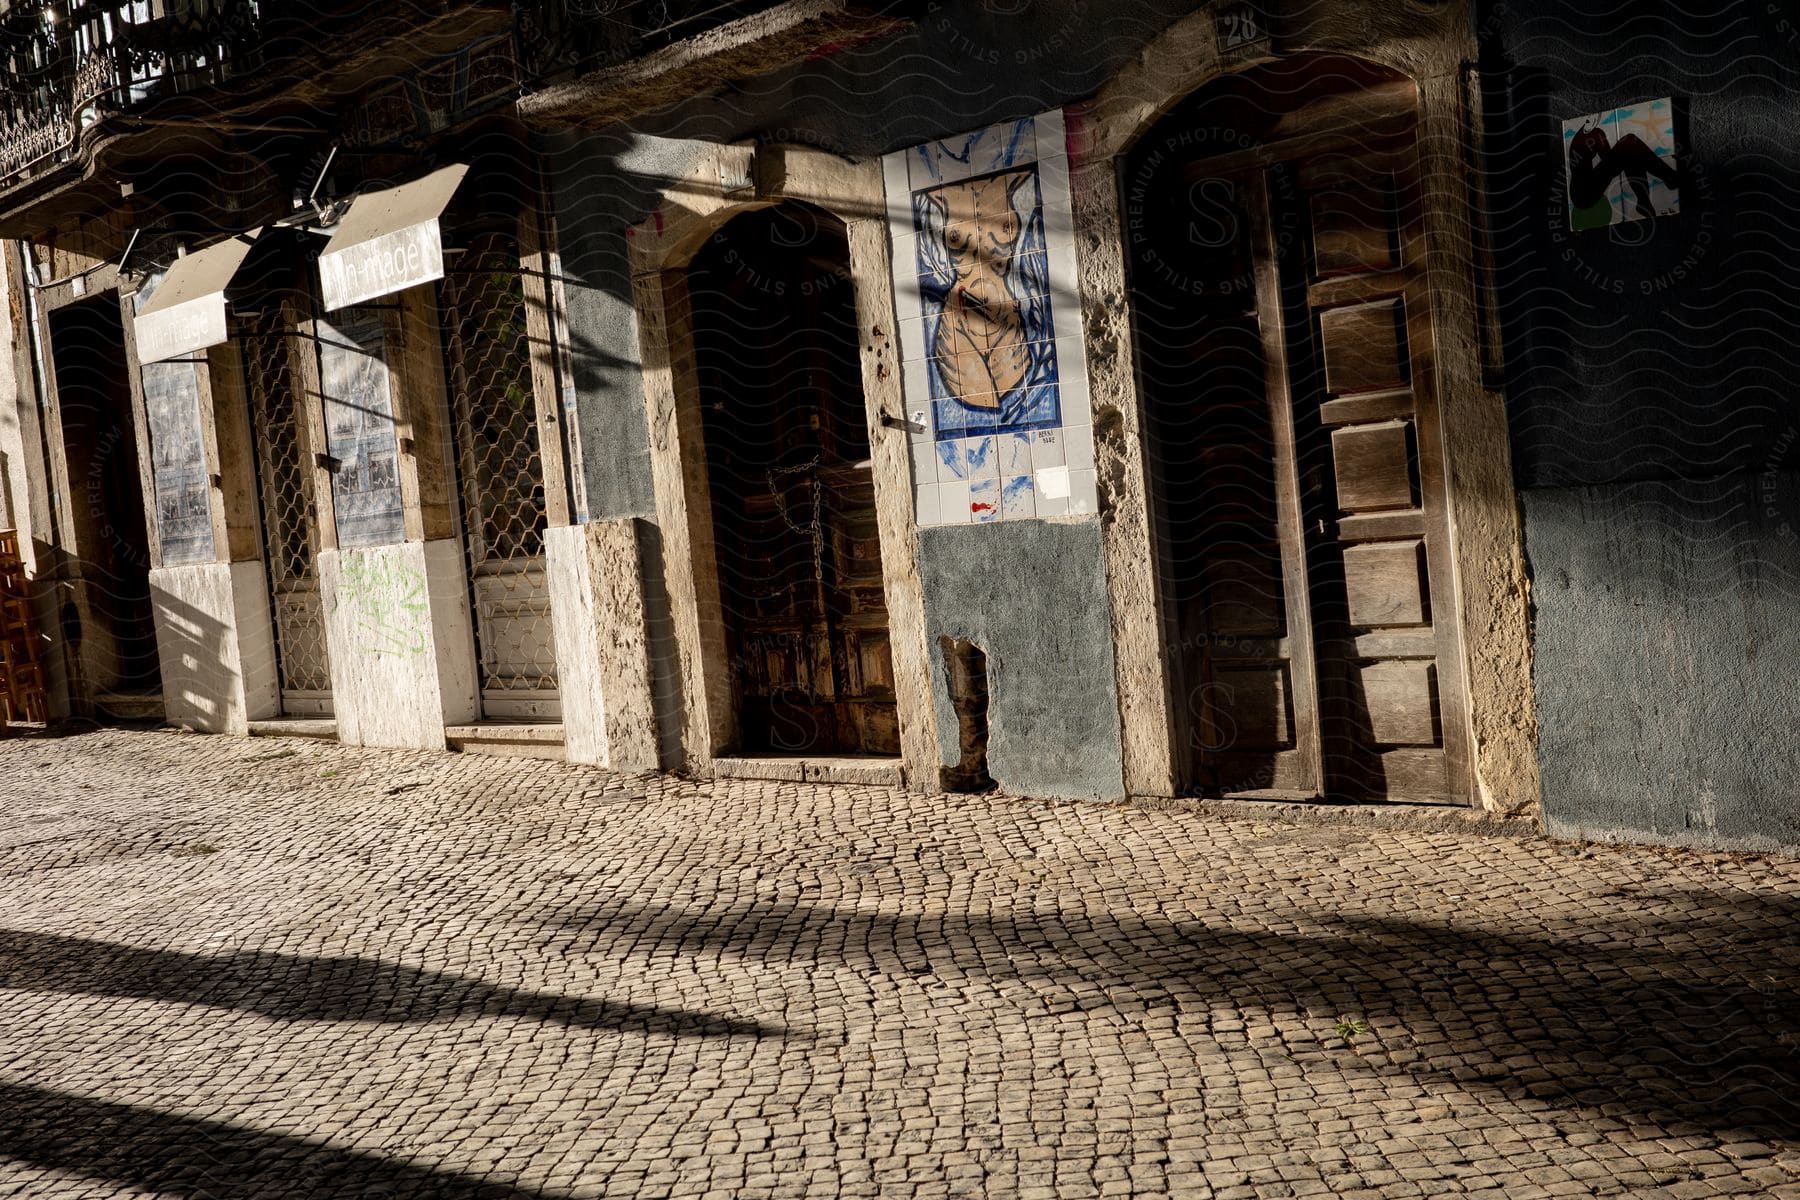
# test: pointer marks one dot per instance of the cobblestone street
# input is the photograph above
(287, 969)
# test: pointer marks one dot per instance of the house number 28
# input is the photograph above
(1239, 27)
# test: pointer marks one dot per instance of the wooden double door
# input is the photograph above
(1287, 348)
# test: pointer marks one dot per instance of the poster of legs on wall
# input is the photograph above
(1622, 165)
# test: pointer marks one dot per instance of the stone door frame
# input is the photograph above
(726, 181)
(1431, 45)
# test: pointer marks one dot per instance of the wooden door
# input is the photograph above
(806, 615)
(1389, 647)
(110, 626)
(1300, 474)
(793, 495)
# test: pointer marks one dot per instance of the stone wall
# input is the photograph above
(1649, 374)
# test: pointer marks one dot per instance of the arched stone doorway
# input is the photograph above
(778, 377)
(1294, 461)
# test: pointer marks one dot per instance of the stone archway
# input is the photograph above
(1487, 565)
(664, 247)
(797, 555)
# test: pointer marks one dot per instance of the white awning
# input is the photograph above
(186, 312)
(388, 241)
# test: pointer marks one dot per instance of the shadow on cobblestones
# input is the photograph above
(209, 1160)
(288, 987)
(1592, 1021)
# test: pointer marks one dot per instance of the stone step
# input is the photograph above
(812, 768)
(323, 728)
(507, 739)
(129, 706)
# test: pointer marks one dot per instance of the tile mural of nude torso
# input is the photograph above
(985, 295)
(991, 352)
(983, 354)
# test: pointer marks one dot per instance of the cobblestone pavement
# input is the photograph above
(282, 969)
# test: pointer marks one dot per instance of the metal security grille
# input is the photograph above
(289, 521)
(501, 479)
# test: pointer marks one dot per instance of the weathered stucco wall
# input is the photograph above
(215, 644)
(1674, 611)
(402, 646)
(602, 644)
(603, 185)
(1056, 728)
(1032, 596)
(1656, 439)
(859, 101)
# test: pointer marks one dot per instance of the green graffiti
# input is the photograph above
(388, 602)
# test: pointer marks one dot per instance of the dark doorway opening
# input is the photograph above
(107, 618)
(793, 498)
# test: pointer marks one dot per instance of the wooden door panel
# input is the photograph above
(1244, 592)
(1373, 466)
(768, 664)
(871, 663)
(1381, 526)
(1285, 775)
(1371, 406)
(1239, 501)
(1400, 699)
(1381, 708)
(1353, 224)
(874, 727)
(1357, 200)
(1412, 775)
(1418, 641)
(1364, 348)
(872, 716)
(1257, 707)
(1385, 583)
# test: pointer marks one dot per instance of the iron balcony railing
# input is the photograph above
(66, 66)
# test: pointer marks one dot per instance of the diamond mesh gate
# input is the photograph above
(500, 476)
(289, 520)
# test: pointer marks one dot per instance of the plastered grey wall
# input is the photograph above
(1032, 595)
(603, 186)
(1649, 372)
(1670, 615)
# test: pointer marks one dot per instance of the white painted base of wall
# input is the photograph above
(216, 645)
(597, 609)
(401, 642)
